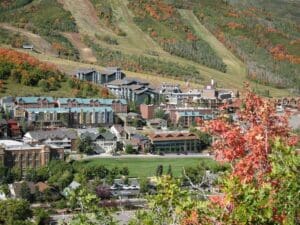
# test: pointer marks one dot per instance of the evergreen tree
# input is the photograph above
(159, 170)
(169, 172)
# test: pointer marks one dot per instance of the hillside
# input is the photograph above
(193, 40)
(25, 75)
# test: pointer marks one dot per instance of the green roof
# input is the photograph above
(88, 100)
(29, 100)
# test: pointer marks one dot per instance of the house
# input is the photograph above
(3, 195)
(64, 138)
(133, 90)
(8, 104)
(28, 47)
(23, 156)
(141, 141)
(42, 187)
(104, 142)
(90, 75)
(174, 141)
(14, 129)
(74, 185)
(15, 188)
(118, 131)
(35, 102)
(157, 123)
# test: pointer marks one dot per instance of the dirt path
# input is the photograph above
(86, 54)
(40, 44)
(234, 65)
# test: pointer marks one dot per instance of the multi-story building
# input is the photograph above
(71, 117)
(147, 111)
(64, 138)
(174, 141)
(90, 75)
(210, 97)
(181, 99)
(107, 75)
(167, 89)
(35, 102)
(118, 105)
(24, 156)
(187, 116)
(133, 90)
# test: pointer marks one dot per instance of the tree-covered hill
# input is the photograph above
(228, 40)
(24, 75)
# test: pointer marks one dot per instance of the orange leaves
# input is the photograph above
(234, 25)
(246, 143)
(192, 219)
(19, 58)
(152, 12)
(280, 53)
(159, 10)
(191, 37)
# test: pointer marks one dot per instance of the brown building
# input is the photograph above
(35, 102)
(147, 111)
(174, 141)
(185, 117)
(23, 156)
(14, 129)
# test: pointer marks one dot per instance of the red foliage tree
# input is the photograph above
(246, 143)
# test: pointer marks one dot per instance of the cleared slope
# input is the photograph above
(94, 26)
(86, 54)
(39, 43)
(135, 37)
(234, 65)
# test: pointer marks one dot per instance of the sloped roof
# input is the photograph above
(53, 134)
(29, 100)
(87, 101)
(107, 135)
(86, 71)
(73, 109)
(172, 136)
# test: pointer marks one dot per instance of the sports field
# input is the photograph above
(146, 167)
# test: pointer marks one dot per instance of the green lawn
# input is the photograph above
(146, 167)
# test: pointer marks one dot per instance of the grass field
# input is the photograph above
(146, 167)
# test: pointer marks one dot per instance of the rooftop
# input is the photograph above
(72, 110)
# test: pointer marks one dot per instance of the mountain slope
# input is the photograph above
(234, 65)
(193, 40)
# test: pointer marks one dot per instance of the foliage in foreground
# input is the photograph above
(263, 186)
(90, 211)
